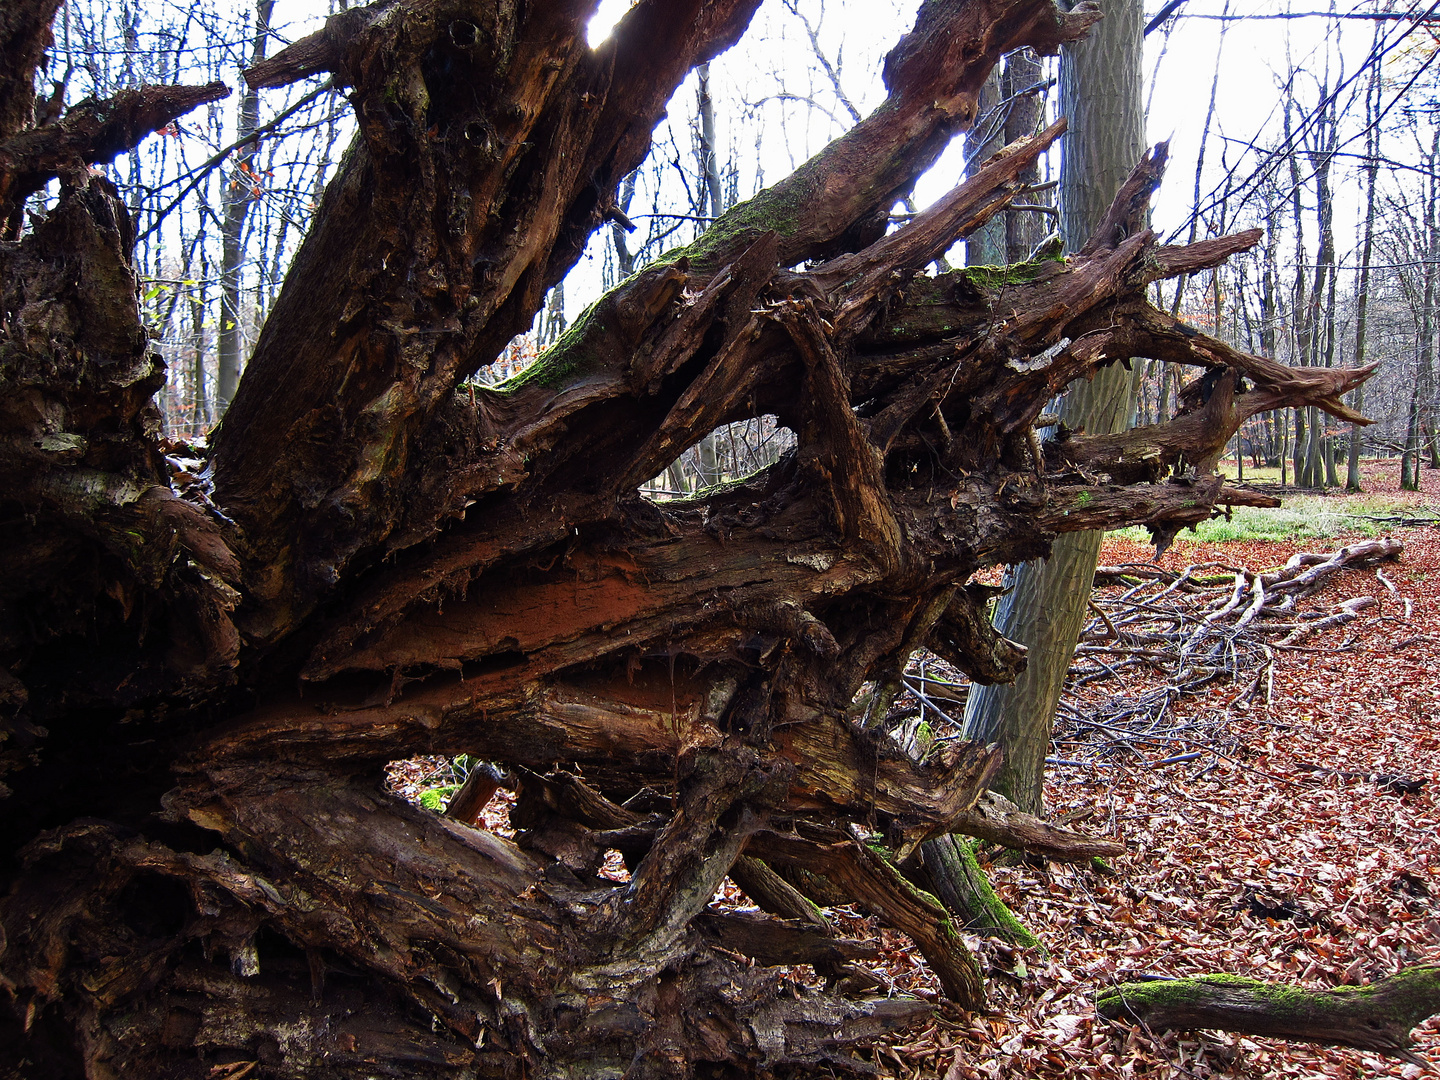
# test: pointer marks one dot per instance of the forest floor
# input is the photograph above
(1241, 858)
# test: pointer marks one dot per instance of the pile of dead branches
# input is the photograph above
(1158, 636)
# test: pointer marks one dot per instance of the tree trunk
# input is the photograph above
(199, 406)
(1425, 376)
(1319, 461)
(1314, 466)
(205, 672)
(239, 193)
(1024, 73)
(1362, 286)
(956, 878)
(1303, 322)
(712, 197)
(1100, 95)
(1410, 456)
(986, 245)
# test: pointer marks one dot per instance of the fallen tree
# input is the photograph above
(1376, 1017)
(206, 670)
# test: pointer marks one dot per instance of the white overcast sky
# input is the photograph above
(1253, 60)
(859, 32)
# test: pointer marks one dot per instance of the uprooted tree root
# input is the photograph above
(205, 674)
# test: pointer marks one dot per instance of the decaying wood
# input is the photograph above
(965, 637)
(773, 941)
(949, 867)
(205, 674)
(481, 784)
(998, 820)
(774, 894)
(91, 131)
(447, 925)
(24, 37)
(871, 881)
(603, 100)
(1376, 1017)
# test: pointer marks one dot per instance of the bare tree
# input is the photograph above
(1367, 248)
(239, 193)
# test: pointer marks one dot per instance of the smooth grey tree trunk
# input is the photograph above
(624, 257)
(986, 245)
(1410, 458)
(200, 413)
(1303, 328)
(1362, 287)
(238, 197)
(711, 201)
(1100, 96)
(1008, 113)
(1024, 230)
(1320, 460)
(1415, 426)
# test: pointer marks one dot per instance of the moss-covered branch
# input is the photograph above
(1376, 1017)
(962, 885)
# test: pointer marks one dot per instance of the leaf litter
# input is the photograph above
(1263, 840)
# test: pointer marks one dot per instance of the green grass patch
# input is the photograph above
(1302, 517)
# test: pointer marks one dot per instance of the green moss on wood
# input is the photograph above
(779, 209)
(1404, 999)
(997, 915)
(973, 898)
(1171, 993)
(992, 279)
(570, 356)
